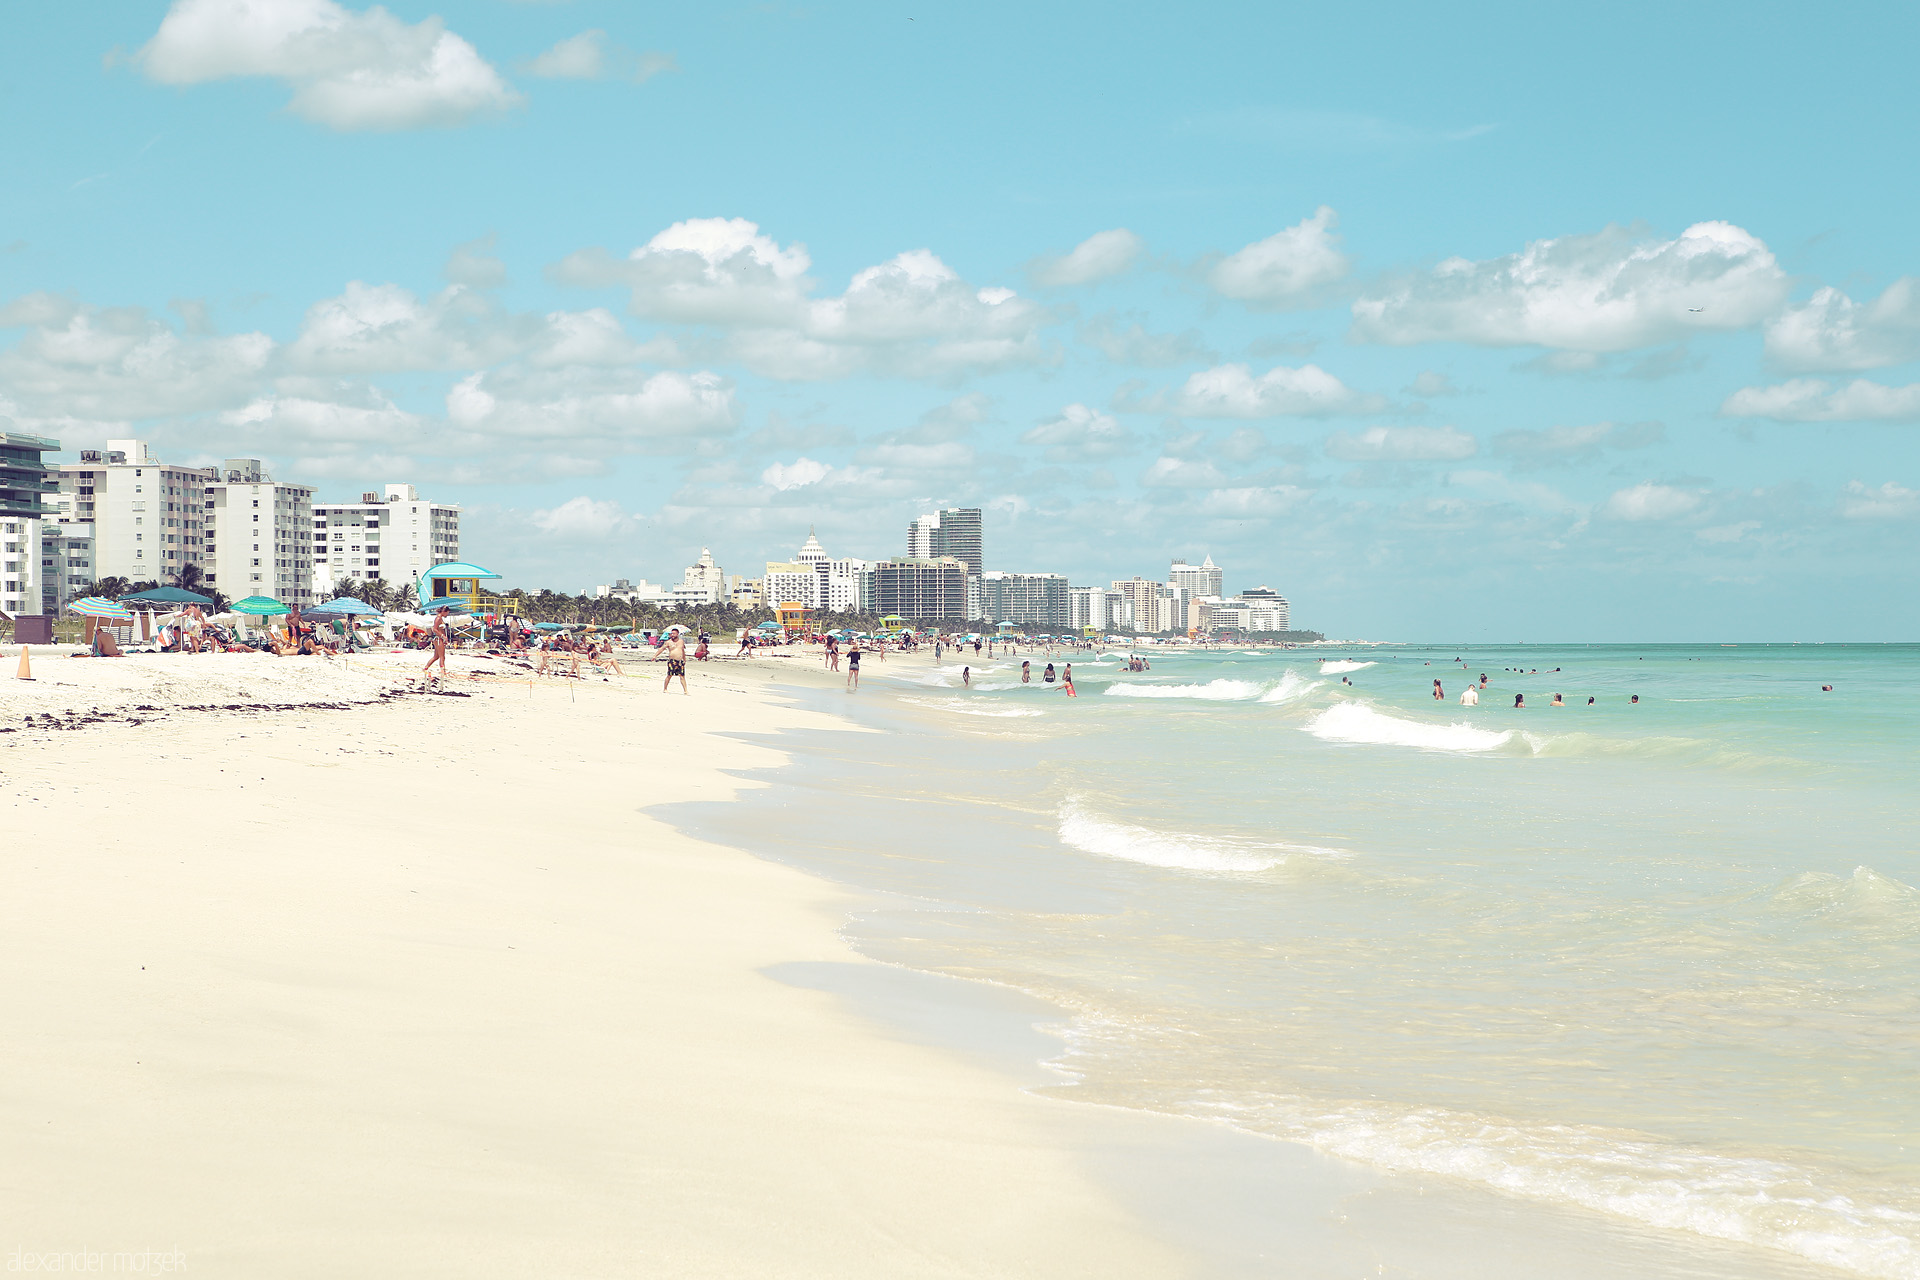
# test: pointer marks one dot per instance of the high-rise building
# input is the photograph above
(1200, 581)
(1089, 607)
(258, 534)
(1142, 596)
(396, 535)
(955, 531)
(25, 482)
(148, 516)
(1035, 599)
(921, 588)
(27, 571)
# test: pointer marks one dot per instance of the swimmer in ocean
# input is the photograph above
(1557, 701)
(1519, 702)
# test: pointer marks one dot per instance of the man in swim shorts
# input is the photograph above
(675, 652)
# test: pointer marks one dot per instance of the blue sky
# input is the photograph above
(1394, 311)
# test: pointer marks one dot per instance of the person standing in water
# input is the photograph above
(966, 676)
(1557, 701)
(1066, 682)
(1519, 702)
(1026, 673)
(1048, 675)
(1439, 694)
(1470, 697)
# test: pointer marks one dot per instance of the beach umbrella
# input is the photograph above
(260, 607)
(768, 626)
(95, 607)
(345, 605)
(169, 595)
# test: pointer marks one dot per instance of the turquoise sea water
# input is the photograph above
(1660, 961)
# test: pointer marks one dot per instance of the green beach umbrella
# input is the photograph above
(260, 606)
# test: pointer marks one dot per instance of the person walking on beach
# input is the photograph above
(833, 653)
(853, 667)
(675, 652)
(439, 641)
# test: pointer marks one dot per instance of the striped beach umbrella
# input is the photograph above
(95, 607)
(260, 606)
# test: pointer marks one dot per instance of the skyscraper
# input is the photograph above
(953, 532)
(1201, 582)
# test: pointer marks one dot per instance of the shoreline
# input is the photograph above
(877, 1113)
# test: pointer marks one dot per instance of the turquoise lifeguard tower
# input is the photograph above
(456, 582)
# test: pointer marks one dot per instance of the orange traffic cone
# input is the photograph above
(26, 669)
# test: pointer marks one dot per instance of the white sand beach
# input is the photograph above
(418, 988)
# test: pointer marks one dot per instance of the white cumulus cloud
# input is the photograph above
(348, 69)
(1813, 400)
(1402, 444)
(1081, 434)
(1603, 292)
(1888, 502)
(796, 474)
(1232, 391)
(1100, 255)
(1647, 501)
(1830, 331)
(911, 315)
(581, 518)
(1287, 266)
(592, 56)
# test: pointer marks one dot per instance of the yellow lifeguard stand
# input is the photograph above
(795, 618)
(456, 582)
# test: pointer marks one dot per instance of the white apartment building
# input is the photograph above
(703, 583)
(847, 586)
(790, 582)
(22, 565)
(1200, 581)
(148, 517)
(396, 535)
(256, 534)
(642, 592)
(1088, 607)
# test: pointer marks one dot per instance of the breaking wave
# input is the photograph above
(1090, 833)
(1334, 666)
(1358, 722)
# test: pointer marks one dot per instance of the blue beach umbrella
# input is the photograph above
(345, 605)
(260, 607)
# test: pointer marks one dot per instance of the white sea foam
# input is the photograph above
(1757, 1201)
(1290, 686)
(1334, 666)
(971, 707)
(1211, 691)
(1358, 722)
(1090, 833)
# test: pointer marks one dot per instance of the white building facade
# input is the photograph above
(256, 534)
(396, 535)
(147, 516)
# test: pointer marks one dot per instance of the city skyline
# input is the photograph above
(1662, 387)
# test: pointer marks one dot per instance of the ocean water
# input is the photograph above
(1656, 961)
